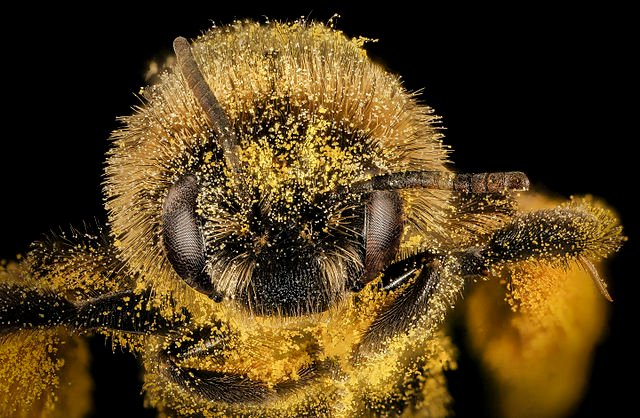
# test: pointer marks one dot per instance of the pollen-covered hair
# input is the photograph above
(311, 113)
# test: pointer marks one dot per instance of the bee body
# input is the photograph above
(285, 237)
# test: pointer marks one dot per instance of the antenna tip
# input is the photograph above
(180, 44)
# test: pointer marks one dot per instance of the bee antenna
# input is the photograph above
(443, 180)
(216, 116)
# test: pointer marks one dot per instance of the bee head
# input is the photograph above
(259, 220)
(241, 174)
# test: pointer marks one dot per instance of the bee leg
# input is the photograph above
(577, 232)
(411, 303)
(23, 308)
(416, 279)
(211, 386)
(127, 311)
(210, 343)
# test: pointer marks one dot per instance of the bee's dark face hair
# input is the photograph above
(296, 274)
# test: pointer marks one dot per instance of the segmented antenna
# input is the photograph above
(216, 116)
(442, 180)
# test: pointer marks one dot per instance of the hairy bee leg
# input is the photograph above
(578, 232)
(213, 386)
(127, 311)
(424, 272)
(575, 232)
(230, 388)
(22, 308)
(552, 235)
(410, 304)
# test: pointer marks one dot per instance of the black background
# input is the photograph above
(540, 90)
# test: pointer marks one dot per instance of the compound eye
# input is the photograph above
(182, 237)
(382, 231)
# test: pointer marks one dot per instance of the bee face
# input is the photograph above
(279, 241)
(288, 242)
(253, 207)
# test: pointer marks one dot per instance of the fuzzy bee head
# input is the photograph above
(234, 175)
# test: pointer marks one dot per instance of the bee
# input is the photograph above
(285, 238)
